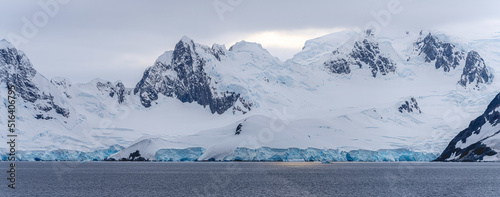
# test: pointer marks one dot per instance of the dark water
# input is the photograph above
(253, 179)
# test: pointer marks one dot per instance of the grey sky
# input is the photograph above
(117, 40)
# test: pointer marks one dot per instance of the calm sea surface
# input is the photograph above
(252, 179)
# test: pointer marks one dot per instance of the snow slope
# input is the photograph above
(478, 142)
(194, 98)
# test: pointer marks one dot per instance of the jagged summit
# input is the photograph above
(255, 50)
(448, 56)
(184, 74)
(16, 68)
(218, 51)
(445, 54)
(364, 52)
(315, 49)
(185, 45)
(113, 89)
(246, 46)
(5, 44)
(186, 39)
(34, 89)
(475, 71)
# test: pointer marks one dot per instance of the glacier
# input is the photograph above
(297, 108)
(239, 154)
(64, 155)
(188, 154)
(331, 155)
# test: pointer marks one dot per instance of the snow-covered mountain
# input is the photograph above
(346, 96)
(478, 142)
(31, 86)
(475, 71)
(442, 54)
(363, 52)
(185, 74)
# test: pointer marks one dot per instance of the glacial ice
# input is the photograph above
(64, 155)
(296, 154)
(239, 154)
(188, 154)
(314, 154)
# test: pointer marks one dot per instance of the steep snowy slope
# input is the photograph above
(40, 109)
(185, 74)
(237, 80)
(32, 87)
(59, 115)
(415, 106)
(349, 95)
(478, 142)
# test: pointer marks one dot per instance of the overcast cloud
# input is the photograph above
(117, 40)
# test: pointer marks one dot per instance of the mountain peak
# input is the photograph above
(184, 45)
(219, 47)
(246, 46)
(6, 44)
(9, 55)
(475, 71)
(186, 39)
(444, 54)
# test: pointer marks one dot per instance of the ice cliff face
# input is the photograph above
(183, 74)
(478, 142)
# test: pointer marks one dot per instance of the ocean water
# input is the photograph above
(252, 179)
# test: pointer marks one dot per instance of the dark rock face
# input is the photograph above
(49, 105)
(120, 92)
(13, 60)
(338, 66)
(16, 69)
(445, 54)
(369, 53)
(217, 51)
(134, 156)
(238, 129)
(184, 77)
(475, 71)
(246, 106)
(477, 150)
(410, 106)
(63, 84)
(117, 90)
(366, 52)
(41, 116)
